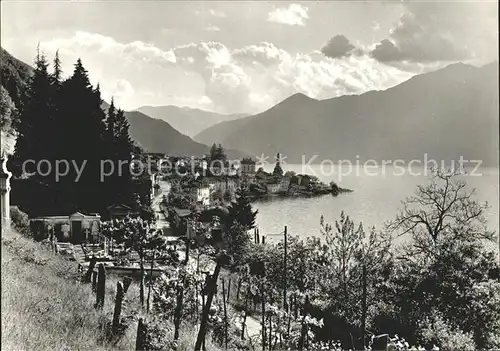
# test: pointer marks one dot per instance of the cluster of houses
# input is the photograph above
(220, 180)
(224, 180)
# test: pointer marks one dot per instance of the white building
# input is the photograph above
(76, 228)
(224, 184)
(203, 195)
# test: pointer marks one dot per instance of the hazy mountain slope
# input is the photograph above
(187, 120)
(155, 135)
(449, 113)
(159, 136)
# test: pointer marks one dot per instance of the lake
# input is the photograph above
(375, 199)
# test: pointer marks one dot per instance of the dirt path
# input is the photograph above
(161, 221)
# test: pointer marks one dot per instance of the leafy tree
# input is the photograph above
(8, 111)
(236, 242)
(240, 211)
(444, 268)
(138, 236)
(441, 211)
(355, 258)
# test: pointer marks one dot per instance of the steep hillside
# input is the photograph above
(15, 74)
(187, 120)
(448, 113)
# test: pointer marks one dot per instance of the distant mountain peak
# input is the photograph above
(299, 97)
(444, 114)
(187, 120)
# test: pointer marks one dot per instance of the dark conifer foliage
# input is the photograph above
(241, 212)
(62, 123)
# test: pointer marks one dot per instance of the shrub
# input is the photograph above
(435, 331)
(39, 230)
(19, 220)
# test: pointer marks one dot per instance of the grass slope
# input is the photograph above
(44, 307)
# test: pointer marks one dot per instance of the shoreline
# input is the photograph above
(254, 197)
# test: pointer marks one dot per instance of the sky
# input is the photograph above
(244, 57)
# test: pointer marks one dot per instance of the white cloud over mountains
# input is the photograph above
(440, 31)
(247, 79)
(293, 15)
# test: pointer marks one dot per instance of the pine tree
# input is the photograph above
(218, 153)
(83, 134)
(278, 171)
(240, 211)
(119, 150)
(57, 69)
(221, 153)
(32, 143)
(38, 140)
(213, 152)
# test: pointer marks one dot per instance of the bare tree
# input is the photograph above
(440, 211)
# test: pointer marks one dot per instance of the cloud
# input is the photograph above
(210, 75)
(293, 15)
(210, 12)
(212, 28)
(429, 32)
(133, 51)
(216, 13)
(338, 46)
(255, 77)
(123, 88)
(264, 53)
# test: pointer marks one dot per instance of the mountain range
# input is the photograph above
(156, 135)
(445, 114)
(188, 121)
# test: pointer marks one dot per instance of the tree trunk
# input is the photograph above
(94, 281)
(263, 318)
(269, 332)
(118, 306)
(88, 274)
(178, 309)
(188, 245)
(363, 307)
(243, 324)
(101, 287)
(211, 289)
(141, 283)
(285, 244)
(150, 282)
(238, 291)
(303, 332)
(225, 312)
(140, 341)
(126, 283)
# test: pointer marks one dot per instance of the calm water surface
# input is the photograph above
(375, 200)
